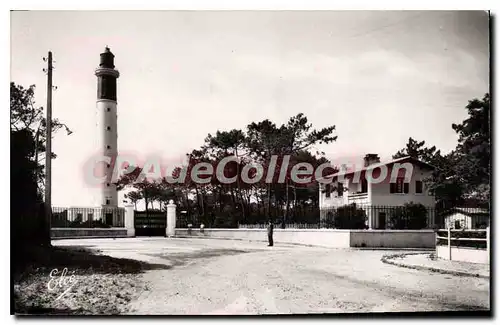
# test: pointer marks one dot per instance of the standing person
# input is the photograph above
(270, 228)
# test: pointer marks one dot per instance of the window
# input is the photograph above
(364, 186)
(108, 165)
(108, 147)
(107, 202)
(90, 216)
(400, 186)
(328, 190)
(108, 128)
(419, 187)
(458, 224)
(108, 109)
(107, 184)
(340, 189)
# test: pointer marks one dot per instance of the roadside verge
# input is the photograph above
(427, 262)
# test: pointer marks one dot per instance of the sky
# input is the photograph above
(379, 76)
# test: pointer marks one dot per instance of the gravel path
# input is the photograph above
(235, 277)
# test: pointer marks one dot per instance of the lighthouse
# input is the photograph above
(107, 136)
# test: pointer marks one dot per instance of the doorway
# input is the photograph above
(381, 220)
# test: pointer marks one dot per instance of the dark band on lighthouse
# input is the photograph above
(106, 76)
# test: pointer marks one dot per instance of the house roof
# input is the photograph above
(387, 163)
(469, 211)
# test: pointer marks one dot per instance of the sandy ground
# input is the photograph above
(236, 277)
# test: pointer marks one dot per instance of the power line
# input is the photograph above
(398, 22)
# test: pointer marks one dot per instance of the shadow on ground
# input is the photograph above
(104, 275)
(179, 259)
(85, 260)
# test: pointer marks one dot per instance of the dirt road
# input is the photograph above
(235, 277)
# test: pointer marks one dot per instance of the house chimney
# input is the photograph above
(371, 158)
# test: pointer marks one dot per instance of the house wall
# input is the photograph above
(333, 201)
(381, 195)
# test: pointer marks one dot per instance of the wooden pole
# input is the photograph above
(48, 150)
(449, 243)
(488, 250)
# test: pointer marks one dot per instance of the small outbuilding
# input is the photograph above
(467, 218)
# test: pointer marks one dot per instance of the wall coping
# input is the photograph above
(315, 230)
(111, 228)
(393, 230)
(264, 229)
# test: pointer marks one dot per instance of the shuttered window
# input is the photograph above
(340, 189)
(400, 186)
(419, 187)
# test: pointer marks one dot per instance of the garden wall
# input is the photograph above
(463, 254)
(425, 238)
(333, 238)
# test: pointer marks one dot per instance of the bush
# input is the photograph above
(410, 216)
(350, 217)
(330, 220)
(86, 224)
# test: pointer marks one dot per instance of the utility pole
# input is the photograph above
(48, 149)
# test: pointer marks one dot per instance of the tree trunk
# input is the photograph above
(287, 202)
(202, 203)
(147, 202)
(269, 201)
(198, 206)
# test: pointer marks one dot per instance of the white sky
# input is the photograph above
(380, 77)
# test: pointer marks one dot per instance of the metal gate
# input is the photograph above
(150, 224)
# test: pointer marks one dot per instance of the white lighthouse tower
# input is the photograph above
(107, 123)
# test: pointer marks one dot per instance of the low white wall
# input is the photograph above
(316, 237)
(333, 238)
(463, 254)
(425, 238)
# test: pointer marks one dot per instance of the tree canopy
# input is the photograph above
(28, 136)
(239, 201)
(463, 173)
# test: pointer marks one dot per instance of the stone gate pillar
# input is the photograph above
(171, 219)
(129, 220)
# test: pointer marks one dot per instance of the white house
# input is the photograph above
(379, 186)
(467, 218)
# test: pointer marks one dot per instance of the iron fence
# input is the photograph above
(352, 216)
(278, 225)
(87, 217)
(298, 217)
(379, 217)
